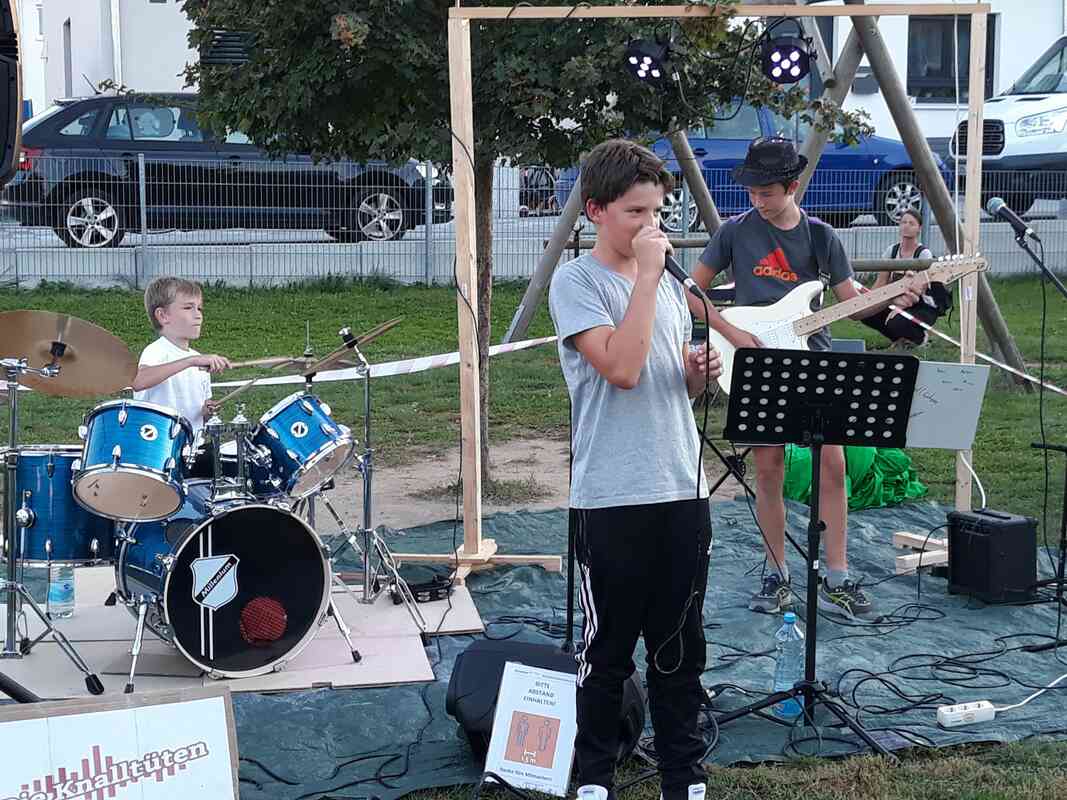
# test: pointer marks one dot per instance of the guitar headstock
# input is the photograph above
(948, 268)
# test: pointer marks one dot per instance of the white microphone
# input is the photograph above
(680, 275)
(996, 207)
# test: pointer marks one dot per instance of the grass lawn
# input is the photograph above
(419, 413)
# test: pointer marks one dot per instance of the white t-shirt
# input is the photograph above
(185, 392)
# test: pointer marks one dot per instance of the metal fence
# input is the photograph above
(102, 221)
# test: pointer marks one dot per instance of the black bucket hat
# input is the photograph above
(769, 160)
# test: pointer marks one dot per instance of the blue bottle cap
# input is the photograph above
(790, 618)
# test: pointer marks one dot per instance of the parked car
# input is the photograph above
(1024, 135)
(78, 174)
(874, 176)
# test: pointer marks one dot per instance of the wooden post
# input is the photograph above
(459, 79)
(922, 159)
(546, 264)
(694, 178)
(969, 284)
(844, 74)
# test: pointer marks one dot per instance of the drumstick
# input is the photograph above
(272, 361)
(237, 391)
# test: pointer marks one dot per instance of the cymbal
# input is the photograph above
(94, 362)
(335, 358)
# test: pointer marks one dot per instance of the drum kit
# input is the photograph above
(229, 570)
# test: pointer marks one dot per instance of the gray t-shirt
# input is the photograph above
(630, 446)
(769, 262)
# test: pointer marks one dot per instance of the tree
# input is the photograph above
(369, 79)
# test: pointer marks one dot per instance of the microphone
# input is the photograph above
(680, 275)
(996, 207)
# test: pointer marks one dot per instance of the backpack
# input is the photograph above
(938, 292)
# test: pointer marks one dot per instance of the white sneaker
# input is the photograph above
(592, 792)
(697, 791)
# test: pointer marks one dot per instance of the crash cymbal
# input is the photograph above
(94, 361)
(334, 358)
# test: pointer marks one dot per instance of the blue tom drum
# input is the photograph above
(53, 528)
(306, 446)
(132, 464)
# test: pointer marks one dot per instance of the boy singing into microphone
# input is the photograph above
(642, 528)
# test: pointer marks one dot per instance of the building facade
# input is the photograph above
(141, 44)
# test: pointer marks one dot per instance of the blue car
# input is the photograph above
(874, 176)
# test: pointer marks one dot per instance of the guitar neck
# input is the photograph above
(820, 319)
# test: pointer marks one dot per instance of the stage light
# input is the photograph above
(786, 59)
(647, 60)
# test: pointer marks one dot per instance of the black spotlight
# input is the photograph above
(648, 61)
(786, 59)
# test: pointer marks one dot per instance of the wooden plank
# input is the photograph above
(968, 294)
(917, 542)
(459, 80)
(912, 563)
(744, 10)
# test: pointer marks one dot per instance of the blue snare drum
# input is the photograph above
(59, 529)
(240, 588)
(306, 446)
(132, 464)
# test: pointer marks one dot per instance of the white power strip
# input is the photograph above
(965, 714)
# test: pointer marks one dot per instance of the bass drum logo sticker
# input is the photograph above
(214, 580)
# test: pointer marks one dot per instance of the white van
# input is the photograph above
(1024, 143)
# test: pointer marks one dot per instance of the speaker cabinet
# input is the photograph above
(992, 555)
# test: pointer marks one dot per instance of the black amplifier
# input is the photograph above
(992, 555)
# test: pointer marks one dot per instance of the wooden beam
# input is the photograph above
(693, 11)
(459, 80)
(968, 294)
(694, 178)
(912, 563)
(546, 264)
(844, 73)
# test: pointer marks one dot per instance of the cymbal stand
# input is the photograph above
(372, 543)
(17, 519)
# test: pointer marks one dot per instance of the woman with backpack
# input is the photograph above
(935, 301)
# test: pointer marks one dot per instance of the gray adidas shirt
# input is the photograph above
(769, 262)
(630, 446)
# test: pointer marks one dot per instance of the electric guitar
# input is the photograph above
(787, 324)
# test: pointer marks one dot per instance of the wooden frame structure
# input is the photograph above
(475, 551)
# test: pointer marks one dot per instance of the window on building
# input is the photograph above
(931, 78)
(82, 126)
(40, 20)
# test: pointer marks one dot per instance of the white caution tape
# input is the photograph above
(405, 367)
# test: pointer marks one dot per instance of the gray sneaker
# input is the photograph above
(774, 596)
(848, 599)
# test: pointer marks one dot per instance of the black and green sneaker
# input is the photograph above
(847, 600)
(775, 596)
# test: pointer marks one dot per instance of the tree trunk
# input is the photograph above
(483, 226)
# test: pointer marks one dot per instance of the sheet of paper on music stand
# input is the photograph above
(946, 405)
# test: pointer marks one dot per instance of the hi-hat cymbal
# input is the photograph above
(94, 361)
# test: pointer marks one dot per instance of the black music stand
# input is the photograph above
(800, 397)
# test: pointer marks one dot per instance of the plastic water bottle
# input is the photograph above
(789, 667)
(60, 591)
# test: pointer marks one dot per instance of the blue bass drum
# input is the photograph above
(306, 446)
(132, 464)
(59, 530)
(240, 589)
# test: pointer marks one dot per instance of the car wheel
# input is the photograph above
(89, 218)
(897, 192)
(671, 219)
(377, 215)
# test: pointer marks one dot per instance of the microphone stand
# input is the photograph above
(1020, 239)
